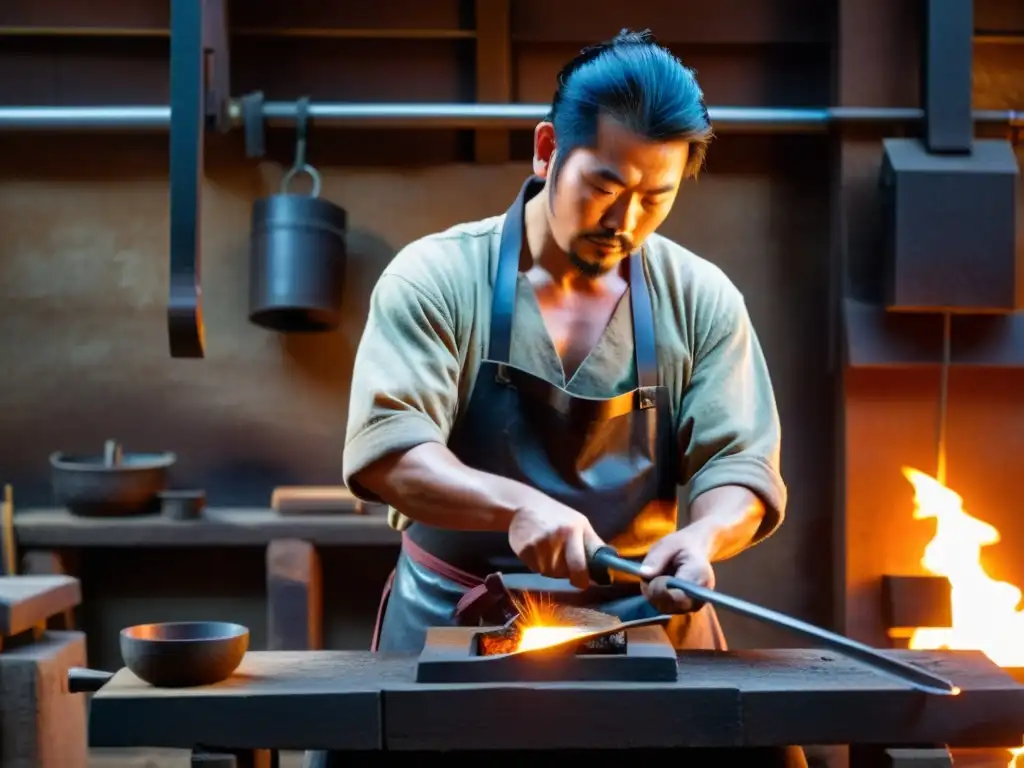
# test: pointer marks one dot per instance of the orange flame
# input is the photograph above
(985, 614)
(540, 625)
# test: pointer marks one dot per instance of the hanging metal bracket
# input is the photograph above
(200, 93)
(252, 122)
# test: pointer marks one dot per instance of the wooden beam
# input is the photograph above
(294, 597)
(876, 65)
(493, 73)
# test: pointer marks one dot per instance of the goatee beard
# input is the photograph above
(589, 268)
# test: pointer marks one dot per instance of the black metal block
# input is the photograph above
(950, 233)
(450, 656)
(915, 602)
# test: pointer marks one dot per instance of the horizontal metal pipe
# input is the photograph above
(468, 116)
(84, 118)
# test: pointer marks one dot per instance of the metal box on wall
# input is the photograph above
(949, 227)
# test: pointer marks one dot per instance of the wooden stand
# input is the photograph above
(41, 725)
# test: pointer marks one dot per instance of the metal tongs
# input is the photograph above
(607, 559)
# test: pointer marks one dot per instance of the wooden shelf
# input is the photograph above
(1016, 38)
(358, 34)
(228, 527)
(310, 33)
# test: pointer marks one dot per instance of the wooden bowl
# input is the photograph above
(184, 654)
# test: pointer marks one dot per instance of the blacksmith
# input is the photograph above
(538, 383)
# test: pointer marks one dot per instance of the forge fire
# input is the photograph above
(986, 614)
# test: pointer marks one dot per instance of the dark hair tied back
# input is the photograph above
(638, 82)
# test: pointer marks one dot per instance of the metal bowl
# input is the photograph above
(113, 484)
(183, 654)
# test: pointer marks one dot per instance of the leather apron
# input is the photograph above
(612, 459)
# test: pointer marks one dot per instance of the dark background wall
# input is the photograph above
(83, 267)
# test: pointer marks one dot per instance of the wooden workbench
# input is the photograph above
(359, 701)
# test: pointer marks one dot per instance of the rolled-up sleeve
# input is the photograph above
(729, 432)
(405, 379)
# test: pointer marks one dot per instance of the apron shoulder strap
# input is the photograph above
(504, 295)
(644, 344)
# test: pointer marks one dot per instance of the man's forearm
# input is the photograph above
(430, 485)
(725, 520)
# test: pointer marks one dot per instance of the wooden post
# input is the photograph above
(8, 550)
(294, 597)
(876, 66)
(493, 73)
(41, 725)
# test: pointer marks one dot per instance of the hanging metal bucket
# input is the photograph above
(297, 260)
(297, 253)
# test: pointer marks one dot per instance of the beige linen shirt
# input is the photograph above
(427, 332)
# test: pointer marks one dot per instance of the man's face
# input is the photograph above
(608, 199)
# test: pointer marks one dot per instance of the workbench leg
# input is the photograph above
(870, 756)
(216, 757)
(294, 596)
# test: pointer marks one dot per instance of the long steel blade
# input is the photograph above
(608, 558)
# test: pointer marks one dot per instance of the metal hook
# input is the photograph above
(301, 131)
(300, 165)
